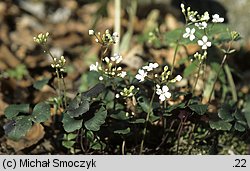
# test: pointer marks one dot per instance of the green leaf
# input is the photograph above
(40, 83)
(68, 144)
(225, 113)
(97, 146)
(89, 79)
(41, 112)
(144, 103)
(240, 117)
(246, 110)
(21, 127)
(137, 121)
(239, 127)
(94, 91)
(120, 116)
(71, 124)
(190, 69)
(220, 125)
(14, 109)
(153, 118)
(122, 131)
(71, 136)
(78, 106)
(174, 106)
(200, 109)
(90, 136)
(94, 123)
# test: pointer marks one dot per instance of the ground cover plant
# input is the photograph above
(182, 105)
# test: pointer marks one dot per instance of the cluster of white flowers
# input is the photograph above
(142, 73)
(151, 66)
(41, 38)
(200, 57)
(106, 38)
(59, 63)
(217, 19)
(116, 58)
(111, 70)
(127, 92)
(201, 23)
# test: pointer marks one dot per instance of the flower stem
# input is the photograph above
(197, 78)
(146, 121)
(175, 53)
(218, 73)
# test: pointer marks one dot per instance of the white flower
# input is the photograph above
(205, 17)
(106, 59)
(178, 78)
(94, 67)
(163, 93)
(192, 18)
(151, 66)
(100, 78)
(91, 32)
(217, 19)
(183, 7)
(189, 33)
(201, 25)
(115, 37)
(122, 74)
(141, 75)
(116, 58)
(117, 96)
(204, 43)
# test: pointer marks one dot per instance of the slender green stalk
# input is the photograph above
(231, 82)
(197, 78)
(175, 53)
(218, 73)
(147, 118)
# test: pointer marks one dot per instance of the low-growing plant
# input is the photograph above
(147, 112)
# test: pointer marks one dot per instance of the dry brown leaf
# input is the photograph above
(35, 134)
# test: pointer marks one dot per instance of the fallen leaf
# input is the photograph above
(35, 134)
